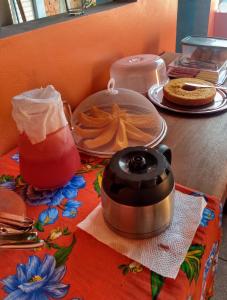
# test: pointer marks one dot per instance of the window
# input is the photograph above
(22, 11)
(222, 7)
(27, 10)
(41, 13)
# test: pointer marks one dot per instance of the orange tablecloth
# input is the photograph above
(73, 265)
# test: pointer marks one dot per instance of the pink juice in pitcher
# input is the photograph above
(50, 163)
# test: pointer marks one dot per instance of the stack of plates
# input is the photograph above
(219, 104)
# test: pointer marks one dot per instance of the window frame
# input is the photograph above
(14, 29)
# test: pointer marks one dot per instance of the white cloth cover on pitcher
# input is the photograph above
(38, 113)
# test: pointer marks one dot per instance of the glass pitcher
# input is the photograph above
(51, 162)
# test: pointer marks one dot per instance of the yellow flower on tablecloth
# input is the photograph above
(55, 234)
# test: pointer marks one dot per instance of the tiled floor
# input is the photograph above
(221, 276)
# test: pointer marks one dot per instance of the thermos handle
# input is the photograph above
(166, 151)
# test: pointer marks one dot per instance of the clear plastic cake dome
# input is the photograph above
(113, 119)
(139, 72)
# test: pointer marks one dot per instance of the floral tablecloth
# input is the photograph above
(73, 265)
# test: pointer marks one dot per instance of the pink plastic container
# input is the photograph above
(51, 163)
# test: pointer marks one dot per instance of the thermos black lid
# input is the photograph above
(139, 176)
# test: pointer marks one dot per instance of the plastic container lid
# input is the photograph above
(201, 41)
(113, 119)
(136, 173)
(139, 72)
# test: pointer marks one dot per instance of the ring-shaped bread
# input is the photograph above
(175, 91)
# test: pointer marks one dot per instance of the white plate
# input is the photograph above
(152, 144)
(155, 94)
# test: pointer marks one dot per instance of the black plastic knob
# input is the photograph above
(137, 164)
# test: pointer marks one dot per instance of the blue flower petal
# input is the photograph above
(30, 287)
(48, 266)
(73, 204)
(69, 193)
(36, 280)
(43, 216)
(21, 273)
(48, 216)
(33, 266)
(57, 198)
(58, 274)
(10, 283)
(78, 182)
(7, 290)
(9, 185)
(204, 223)
(38, 202)
(53, 213)
(70, 210)
(70, 213)
(72, 188)
(17, 295)
(58, 290)
(208, 213)
(16, 157)
(38, 296)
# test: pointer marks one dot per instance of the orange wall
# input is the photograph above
(75, 56)
(213, 9)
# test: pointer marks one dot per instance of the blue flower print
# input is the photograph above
(55, 197)
(69, 191)
(16, 157)
(70, 210)
(11, 185)
(8, 182)
(208, 264)
(78, 182)
(48, 216)
(36, 280)
(208, 215)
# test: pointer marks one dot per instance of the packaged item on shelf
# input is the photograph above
(203, 58)
(185, 67)
(205, 49)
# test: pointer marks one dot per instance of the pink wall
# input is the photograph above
(220, 24)
(217, 21)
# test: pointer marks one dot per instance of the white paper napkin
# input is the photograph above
(163, 254)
